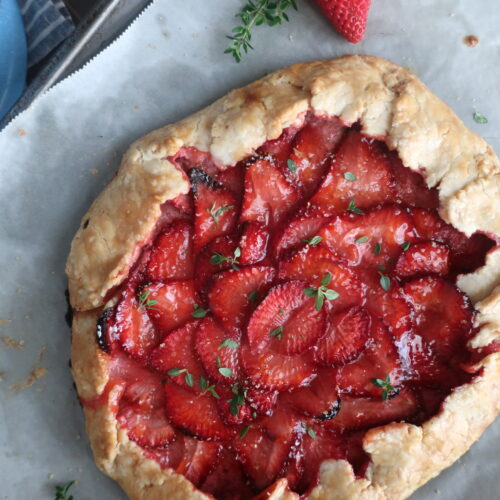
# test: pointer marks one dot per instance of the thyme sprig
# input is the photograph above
(322, 292)
(255, 13)
(62, 491)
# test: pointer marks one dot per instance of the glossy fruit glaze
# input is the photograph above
(286, 305)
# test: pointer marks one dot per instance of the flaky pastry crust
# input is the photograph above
(389, 102)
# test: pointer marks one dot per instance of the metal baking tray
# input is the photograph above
(106, 21)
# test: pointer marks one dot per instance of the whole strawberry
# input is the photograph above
(348, 17)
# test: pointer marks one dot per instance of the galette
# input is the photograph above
(293, 293)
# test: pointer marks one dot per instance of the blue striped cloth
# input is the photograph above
(46, 23)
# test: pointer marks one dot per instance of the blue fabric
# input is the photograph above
(12, 55)
(47, 23)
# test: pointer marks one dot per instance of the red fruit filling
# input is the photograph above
(287, 305)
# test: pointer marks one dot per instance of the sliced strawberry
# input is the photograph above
(223, 245)
(253, 243)
(411, 187)
(172, 254)
(287, 319)
(379, 360)
(268, 195)
(132, 326)
(197, 414)
(295, 234)
(261, 401)
(360, 171)
(200, 458)
(371, 239)
(216, 213)
(218, 349)
(141, 402)
(315, 450)
(312, 147)
(389, 305)
(425, 365)
(184, 203)
(345, 338)
(233, 180)
(173, 210)
(143, 391)
(443, 314)
(174, 303)
(227, 481)
(279, 149)
(168, 456)
(467, 253)
(263, 449)
(149, 429)
(348, 17)
(319, 399)
(424, 258)
(233, 410)
(313, 263)
(363, 413)
(230, 295)
(177, 354)
(276, 371)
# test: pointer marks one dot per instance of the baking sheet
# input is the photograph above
(57, 156)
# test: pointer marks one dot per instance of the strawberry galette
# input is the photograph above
(294, 292)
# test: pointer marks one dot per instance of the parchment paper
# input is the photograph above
(58, 155)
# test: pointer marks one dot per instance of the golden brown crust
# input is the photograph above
(389, 102)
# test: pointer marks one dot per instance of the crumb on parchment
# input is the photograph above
(11, 343)
(471, 40)
(35, 374)
(21, 131)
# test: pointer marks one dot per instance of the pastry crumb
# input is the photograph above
(41, 353)
(471, 40)
(34, 375)
(51, 475)
(165, 34)
(21, 131)
(94, 171)
(137, 107)
(437, 492)
(11, 343)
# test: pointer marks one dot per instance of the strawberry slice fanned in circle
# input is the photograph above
(345, 339)
(197, 414)
(273, 371)
(172, 254)
(172, 304)
(176, 357)
(359, 171)
(370, 239)
(287, 319)
(313, 263)
(234, 293)
(218, 351)
(269, 196)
